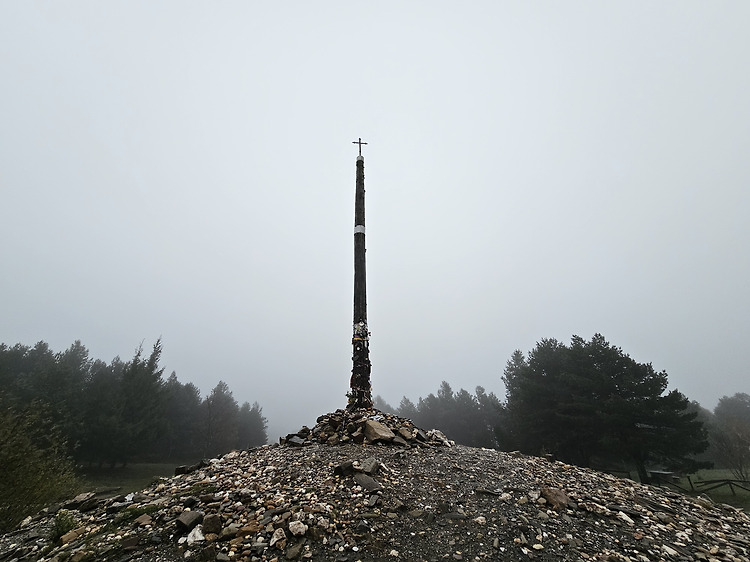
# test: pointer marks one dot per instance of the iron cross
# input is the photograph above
(360, 143)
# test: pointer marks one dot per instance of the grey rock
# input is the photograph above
(345, 468)
(398, 440)
(294, 551)
(212, 524)
(79, 500)
(367, 482)
(376, 431)
(370, 465)
(189, 519)
(229, 532)
(295, 440)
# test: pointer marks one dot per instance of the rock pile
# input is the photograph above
(384, 502)
(365, 426)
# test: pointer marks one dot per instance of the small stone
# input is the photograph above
(130, 542)
(405, 433)
(70, 536)
(400, 441)
(346, 468)
(367, 482)
(622, 516)
(297, 528)
(278, 535)
(295, 441)
(229, 532)
(456, 516)
(212, 524)
(196, 535)
(189, 519)
(393, 553)
(370, 465)
(294, 551)
(143, 520)
(556, 497)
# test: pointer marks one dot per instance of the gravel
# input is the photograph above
(380, 502)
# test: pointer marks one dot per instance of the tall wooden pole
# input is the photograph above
(360, 394)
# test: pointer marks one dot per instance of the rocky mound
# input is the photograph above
(381, 499)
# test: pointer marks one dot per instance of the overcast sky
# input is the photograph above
(185, 170)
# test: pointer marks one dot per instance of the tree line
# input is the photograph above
(122, 412)
(589, 403)
(59, 410)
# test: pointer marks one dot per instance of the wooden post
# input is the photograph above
(360, 394)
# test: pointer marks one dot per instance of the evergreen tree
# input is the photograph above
(252, 426)
(142, 408)
(36, 467)
(102, 437)
(407, 409)
(465, 418)
(220, 421)
(379, 404)
(590, 401)
(181, 438)
(730, 434)
(118, 412)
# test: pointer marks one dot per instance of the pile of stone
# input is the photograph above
(369, 502)
(365, 426)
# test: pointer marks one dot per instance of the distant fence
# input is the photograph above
(708, 485)
(674, 480)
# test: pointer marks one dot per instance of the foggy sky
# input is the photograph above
(534, 170)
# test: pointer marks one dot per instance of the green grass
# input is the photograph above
(123, 479)
(740, 498)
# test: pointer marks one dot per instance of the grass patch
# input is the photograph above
(62, 524)
(199, 489)
(124, 479)
(132, 513)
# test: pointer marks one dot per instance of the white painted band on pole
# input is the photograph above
(359, 229)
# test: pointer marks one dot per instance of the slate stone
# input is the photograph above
(212, 524)
(143, 520)
(398, 440)
(344, 469)
(367, 482)
(295, 440)
(189, 519)
(130, 542)
(556, 497)
(190, 501)
(370, 465)
(79, 500)
(229, 532)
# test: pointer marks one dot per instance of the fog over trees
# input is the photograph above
(122, 412)
(590, 404)
(586, 403)
(60, 410)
